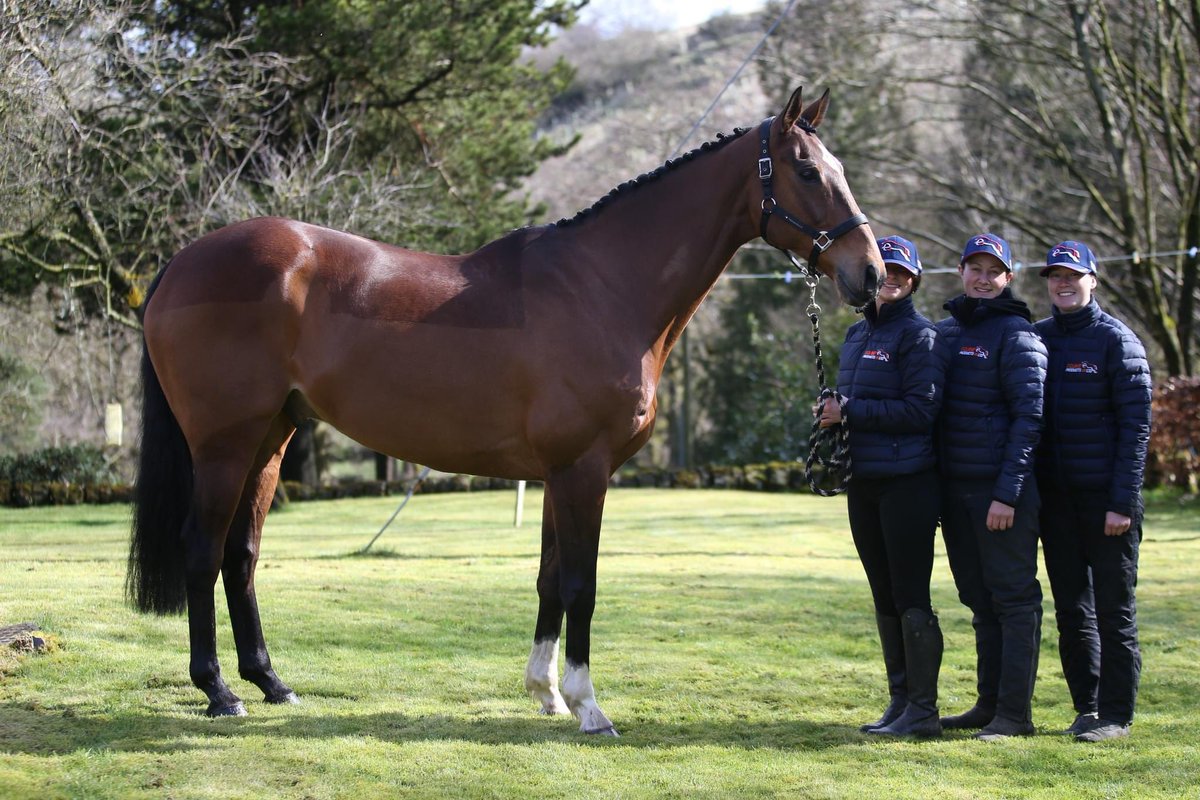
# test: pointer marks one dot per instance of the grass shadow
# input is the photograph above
(385, 554)
(38, 731)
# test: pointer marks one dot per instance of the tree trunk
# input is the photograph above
(385, 467)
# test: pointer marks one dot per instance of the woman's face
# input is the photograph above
(983, 276)
(897, 285)
(1069, 290)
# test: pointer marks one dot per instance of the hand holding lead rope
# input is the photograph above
(828, 446)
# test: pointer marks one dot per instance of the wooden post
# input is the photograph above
(114, 428)
(519, 513)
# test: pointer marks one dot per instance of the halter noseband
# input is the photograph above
(821, 239)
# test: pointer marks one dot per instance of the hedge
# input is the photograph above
(773, 477)
(23, 494)
(1174, 458)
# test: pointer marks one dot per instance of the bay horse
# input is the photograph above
(536, 357)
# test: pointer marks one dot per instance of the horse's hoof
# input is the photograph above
(237, 709)
(283, 699)
(609, 731)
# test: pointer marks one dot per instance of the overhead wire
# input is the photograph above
(789, 275)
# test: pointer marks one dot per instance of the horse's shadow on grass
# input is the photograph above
(42, 731)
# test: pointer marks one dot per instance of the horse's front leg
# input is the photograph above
(576, 502)
(541, 673)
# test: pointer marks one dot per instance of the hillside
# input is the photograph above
(634, 99)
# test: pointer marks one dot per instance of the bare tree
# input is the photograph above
(118, 144)
(1089, 113)
(1045, 119)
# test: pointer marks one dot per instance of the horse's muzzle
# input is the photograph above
(861, 291)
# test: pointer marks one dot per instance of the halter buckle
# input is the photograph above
(764, 168)
(822, 242)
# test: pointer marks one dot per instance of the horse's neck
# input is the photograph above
(665, 244)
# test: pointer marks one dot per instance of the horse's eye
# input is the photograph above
(810, 174)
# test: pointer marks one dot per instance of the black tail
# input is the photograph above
(155, 580)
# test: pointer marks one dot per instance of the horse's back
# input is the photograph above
(363, 331)
(249, 261)
(273, 259)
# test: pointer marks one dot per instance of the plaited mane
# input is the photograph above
(641, 180)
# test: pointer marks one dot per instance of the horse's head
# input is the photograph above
(808, 205)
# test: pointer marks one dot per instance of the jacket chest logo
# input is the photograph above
(1082, 368)
(876, 355)
(973, 350)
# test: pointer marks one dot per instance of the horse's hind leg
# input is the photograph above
(220, 470)
(241, 558)
(541, 673)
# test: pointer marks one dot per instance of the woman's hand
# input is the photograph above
(1000, 516)
(1116, 524)
(831, 414)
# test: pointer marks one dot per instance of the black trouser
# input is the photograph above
(893, 521)
(996, 576)
(1093, 579)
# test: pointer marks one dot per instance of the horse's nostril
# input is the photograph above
(871, 280)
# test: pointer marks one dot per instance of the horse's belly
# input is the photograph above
(443, 442)
(513, 398)
(452, 402)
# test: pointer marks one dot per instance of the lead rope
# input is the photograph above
(828, 448)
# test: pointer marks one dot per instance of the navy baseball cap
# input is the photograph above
(991, 244)
(898, 250)
(1072, 255)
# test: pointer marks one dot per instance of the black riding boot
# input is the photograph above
(923, 661)
(891, 636)
(1022, 640)
(988, 648)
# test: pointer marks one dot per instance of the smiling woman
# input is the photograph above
(989, 430)
(1091, 467)
(890, 380)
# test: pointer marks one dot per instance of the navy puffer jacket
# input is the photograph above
(992, 409)
(1097, 406)
(891, 373)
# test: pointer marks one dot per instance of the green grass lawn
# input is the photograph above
(733, 647)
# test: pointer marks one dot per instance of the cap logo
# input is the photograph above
(1069, 252)
(888, 246)
(991, 244)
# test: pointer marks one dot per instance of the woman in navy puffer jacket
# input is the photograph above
(890, 381)
(988, 433)
(1090, 468)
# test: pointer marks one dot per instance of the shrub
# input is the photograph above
(1174, 457)
(73, 464)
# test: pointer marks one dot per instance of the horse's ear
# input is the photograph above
(816, 112)
(791, 112)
